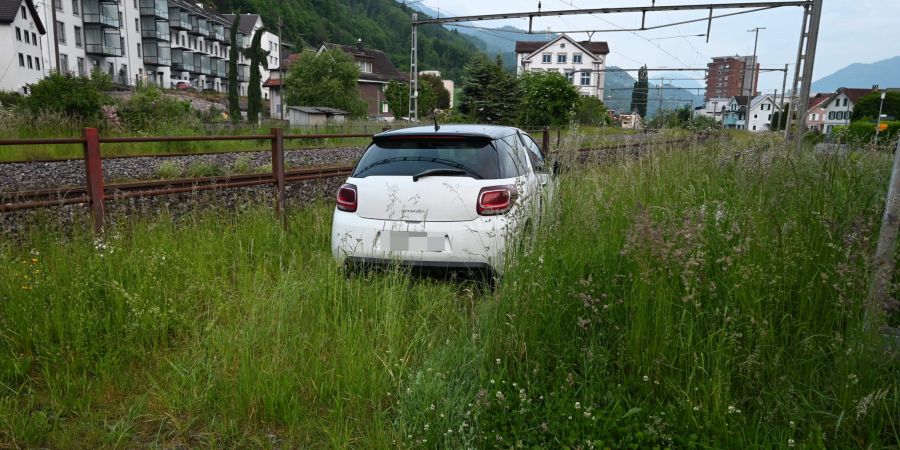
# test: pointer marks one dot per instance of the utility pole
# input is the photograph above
(280, 70)
(808, 58)
(752, 90)
(414, 72)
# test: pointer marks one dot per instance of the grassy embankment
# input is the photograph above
(693, 298)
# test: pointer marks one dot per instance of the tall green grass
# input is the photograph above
(698, 297)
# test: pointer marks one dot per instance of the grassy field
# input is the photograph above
(700, 297)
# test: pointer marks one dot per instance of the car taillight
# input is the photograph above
(494, 200)
(346, 198)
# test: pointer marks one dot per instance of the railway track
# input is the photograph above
(30, 199)
(16, 200)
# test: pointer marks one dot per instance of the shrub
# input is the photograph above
(10, 98)
(591, 111)
(204, 169)
(150, 111)
(168, 169)
(69, 94)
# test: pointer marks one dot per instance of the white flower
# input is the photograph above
(577, 405)
(790, 442)
(646, 378)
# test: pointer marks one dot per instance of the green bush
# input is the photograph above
(168, 169)
(591, 111)
(204, 169)
(863, 132)
(150, 111)
(69, 94)
(10, 98)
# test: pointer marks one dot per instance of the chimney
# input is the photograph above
(359, 45)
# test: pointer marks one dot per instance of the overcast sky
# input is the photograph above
(852, 31)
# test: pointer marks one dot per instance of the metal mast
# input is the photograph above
(414, 71)
(806, 56)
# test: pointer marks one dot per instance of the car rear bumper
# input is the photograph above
(477, 244)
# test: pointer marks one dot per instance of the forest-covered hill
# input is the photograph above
(381, 24)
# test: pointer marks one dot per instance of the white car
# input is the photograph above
(449, 197)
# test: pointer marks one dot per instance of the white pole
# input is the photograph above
(880, 106)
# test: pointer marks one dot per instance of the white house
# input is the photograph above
(581, 62)
(761, 110)
(21, 49)
(839, 107)
(714, 108)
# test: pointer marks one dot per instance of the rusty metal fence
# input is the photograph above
(96, 192)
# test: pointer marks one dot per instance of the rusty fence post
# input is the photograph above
(93, 171)
(278, 171)
(545, 140)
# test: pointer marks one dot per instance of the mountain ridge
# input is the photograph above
(885, 73)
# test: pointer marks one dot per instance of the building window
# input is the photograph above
(37, 63)
(845, 101)
(19, 34)
(570, 75)
(585, 78)
(76, 8)
(21, 60)
(561, 58)
(384, 107)
(60, 32)
(138, 49)
(830, 115)
(24, 14)
(78, 37)
(58, 5)
(137, 26)
(30, 64)
(80, 62)
(547, 58)
(576, 58)
(63, 64)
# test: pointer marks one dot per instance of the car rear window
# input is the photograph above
(408, 156)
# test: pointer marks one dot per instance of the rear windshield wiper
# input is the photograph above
(434, 172)
(443, 161)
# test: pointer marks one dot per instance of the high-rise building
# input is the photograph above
(160, 42)
(732, 76)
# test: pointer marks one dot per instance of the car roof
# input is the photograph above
(488, 131)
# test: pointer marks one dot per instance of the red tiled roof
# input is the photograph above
(529, 47)
(818, 100)
(855, 93)
(272, 82)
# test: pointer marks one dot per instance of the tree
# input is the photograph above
(234, 104)
(779, 118)
(69, 94)
(867, 106)
(435, 84)
(257, 56)
(639, 94)
(591, 111)
(427, 102)
(489, 93)
(397, 96)
(548, 99)
(328, 79)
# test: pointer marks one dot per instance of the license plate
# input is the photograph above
(412, 241)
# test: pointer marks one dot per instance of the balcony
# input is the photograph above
(179, 19)
(157, 53)
(102, 41)
(182, 60)
(199, 26)
(243, 73)
(155, 8)
(221, 68)
(101, 13)
(218, 33)
(153, 28)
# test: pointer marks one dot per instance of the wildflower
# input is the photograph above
(34, 260)
(431, 407)
(790, 443)
(498, 361)
(577, 405)
(792, 424)
(646, 378)
(426, 427)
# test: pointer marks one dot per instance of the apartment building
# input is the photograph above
(247, 27)
(731, 76)
(160, 42)
(20, 47)
(582, 62)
